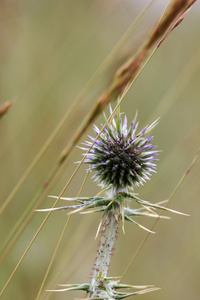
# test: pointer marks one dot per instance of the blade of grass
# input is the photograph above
(26, 217)
(53, 257)
(154, 224)
(58, 279)
(164, 164)
(123, 95)
(127, 74)
(9, 241)
(4, 247)
(128, 71)
(178, 85)
(74, 173)
(59, 242)
(74, 243)
(75, 104)
(38, 231)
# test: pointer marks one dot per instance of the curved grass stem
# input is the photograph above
(116, 88)
(74, 173)
(58, 244)
(74, 105)
(196, 157)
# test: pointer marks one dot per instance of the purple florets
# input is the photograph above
(121, 157)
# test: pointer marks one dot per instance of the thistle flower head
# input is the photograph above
(120, 156)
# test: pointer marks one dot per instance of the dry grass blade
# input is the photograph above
(178, 21)
(59, 242)
(70, 111)
(113, 91)
(53, 257)
(128, 71)
(154, 224)
(123, 76)
(10, 241)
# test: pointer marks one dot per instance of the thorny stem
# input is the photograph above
(105, 250)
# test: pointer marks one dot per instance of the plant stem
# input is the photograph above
(104, 253)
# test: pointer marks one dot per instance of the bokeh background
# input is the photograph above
(49, 52)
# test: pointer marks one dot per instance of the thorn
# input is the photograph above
(98, 229)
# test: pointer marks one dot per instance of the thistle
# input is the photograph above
(121, 159)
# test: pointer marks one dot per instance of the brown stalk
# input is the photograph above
(128, 71)
(123, 76)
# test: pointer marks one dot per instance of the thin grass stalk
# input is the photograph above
(47, 295)
(74, 173)
(118, 135)
(53, 257)
(128, 73)
(74, 105)
(9, 242)
(35, 236)
(157, 219)
(106, 245)
(177, 87)
(48, 268)
(59, 242)
(196, 157)
(156, 33)
(164, 164)
(65, 260)
(171, 196)
(27, 215)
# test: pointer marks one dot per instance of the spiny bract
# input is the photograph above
(121, 157)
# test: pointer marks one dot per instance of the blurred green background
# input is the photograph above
(49, 51)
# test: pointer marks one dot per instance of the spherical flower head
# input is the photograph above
(121, 157)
